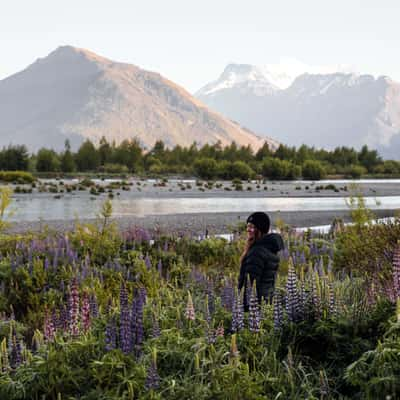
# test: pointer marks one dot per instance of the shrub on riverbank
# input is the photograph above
(19, 177)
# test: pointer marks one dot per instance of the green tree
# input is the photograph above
(47, 161)
(313, 169)
(67, 159)
(368, 158)
(263, 152)
(241, 170)
(274, 168)
(129, 153)
(105, 151)
(87, 158)
(206, 168)
(14, 158)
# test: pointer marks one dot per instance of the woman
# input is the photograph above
(260, 260)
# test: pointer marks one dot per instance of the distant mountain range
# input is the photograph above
(75, 94)
(328, 109)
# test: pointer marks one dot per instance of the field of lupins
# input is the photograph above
(101, 314)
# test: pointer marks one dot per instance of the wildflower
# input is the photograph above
(147, 262)
(111, 335)
(48, 328)
(292, 301)
(220, 331)
(125, 328)
(278, 311)
(396, 271)
(189, 312)
(74, 308)
(254, 312)
(152, 379)
(234, 352)
(94, 308)
(85, 312)
(228, 295)
(238, 313)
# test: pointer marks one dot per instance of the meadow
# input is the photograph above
(96, 313)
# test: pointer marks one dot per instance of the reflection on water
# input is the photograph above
(31, 208)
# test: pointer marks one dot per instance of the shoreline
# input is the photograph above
(196, 224)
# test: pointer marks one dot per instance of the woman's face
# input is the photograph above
(251, 231)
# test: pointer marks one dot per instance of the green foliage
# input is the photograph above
(14, 158)
(313, 169)
(16, 176)
(5, 201)
(87, 157)
(47, 161)
(205, 168)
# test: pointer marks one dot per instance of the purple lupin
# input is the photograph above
(254, 312)
(396, 271)
(111, 335)
(152, 379)
(125, 322)
(292, 296)
(278, 310)
(74, 308)
(85, 312)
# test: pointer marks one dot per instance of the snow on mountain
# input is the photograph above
(319, 109)
(265, 79)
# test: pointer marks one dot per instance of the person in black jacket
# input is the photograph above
(260, 259)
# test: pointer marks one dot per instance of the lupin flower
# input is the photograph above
(156, 332)
(332, 300)
(85, 312)
(211, 296)
(316, 296)
(189, 312)
(292, 299)
(234, 352)
(228, 295)
(137, 319)
(254, 312)
(74, 308)
(5, 364)
(48, 328)
(125, 321)
(278, 311)
(94, 308)
(238, 313)
(159, 267)
(396, 271)
(15, 353)
(147, 262)
(152, 379)
(220, 331)
(111, 335)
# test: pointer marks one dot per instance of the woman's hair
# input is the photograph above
(249, 242)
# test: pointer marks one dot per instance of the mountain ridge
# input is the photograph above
(76, 94)
(323, 110)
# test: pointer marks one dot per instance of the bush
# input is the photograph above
(16, 176)
(313, 170)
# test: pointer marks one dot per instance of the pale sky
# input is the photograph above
(190, 42)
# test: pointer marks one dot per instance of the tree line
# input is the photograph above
(210, 161)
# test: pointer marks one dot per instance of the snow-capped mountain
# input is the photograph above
(73, 93)
(318, 109)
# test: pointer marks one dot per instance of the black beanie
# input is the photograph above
(260, 220)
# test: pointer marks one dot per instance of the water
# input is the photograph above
(45, 207)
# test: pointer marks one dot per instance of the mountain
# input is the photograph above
(75, 94)
(319, 109)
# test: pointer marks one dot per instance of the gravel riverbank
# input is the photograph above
(197, 224)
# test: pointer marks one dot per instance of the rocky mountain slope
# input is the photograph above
(75, 94)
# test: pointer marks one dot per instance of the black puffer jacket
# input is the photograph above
(261, 264)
